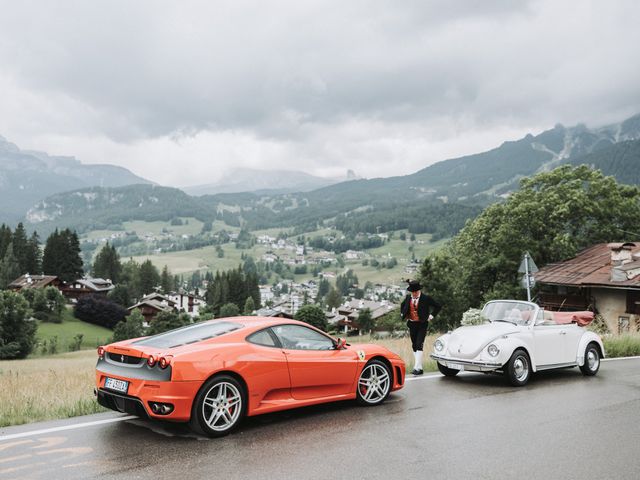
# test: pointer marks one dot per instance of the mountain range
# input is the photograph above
(271, 182)
(29, 176)
(470, 181)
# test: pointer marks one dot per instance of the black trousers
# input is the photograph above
(417, 331)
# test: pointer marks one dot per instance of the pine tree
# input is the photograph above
(249, 306)
(62, 256)
(5, 239)
(149, 277)
(20, 247)
(33, 259)
(166, 281)
(9, 268)
(107, 264)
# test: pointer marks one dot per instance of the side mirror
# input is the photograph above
(341, 344)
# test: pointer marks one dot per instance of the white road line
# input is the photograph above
(130, 417)
(65, 427)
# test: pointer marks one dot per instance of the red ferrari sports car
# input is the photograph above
(214, 373)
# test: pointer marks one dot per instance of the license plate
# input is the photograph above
(117, 385)
(456, 366)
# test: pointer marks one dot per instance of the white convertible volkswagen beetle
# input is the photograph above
(519, 338)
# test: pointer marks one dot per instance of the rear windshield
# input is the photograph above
(190, 334)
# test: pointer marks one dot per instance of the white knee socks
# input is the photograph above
(418, 360)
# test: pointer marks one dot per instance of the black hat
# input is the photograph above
(414, 286)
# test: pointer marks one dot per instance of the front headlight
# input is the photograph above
(438, 345)
(493, 350)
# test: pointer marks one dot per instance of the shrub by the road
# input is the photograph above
(622, 346)
(130, 327)
(166, 321)
(313, 315)
(99, 311)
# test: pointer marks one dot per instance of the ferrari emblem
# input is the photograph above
(361, 354)
(122, 358)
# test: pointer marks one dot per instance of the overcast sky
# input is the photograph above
(181, 92)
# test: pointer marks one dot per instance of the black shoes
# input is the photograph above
(416, 372)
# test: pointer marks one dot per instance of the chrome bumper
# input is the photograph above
(467, 364)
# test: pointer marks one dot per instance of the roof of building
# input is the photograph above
(96, 284)
(591, 267)
(155, 304)
(32, 281)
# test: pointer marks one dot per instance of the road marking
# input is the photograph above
(65, 427)
(131, 417)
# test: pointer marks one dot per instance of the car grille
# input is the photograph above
(117, 357)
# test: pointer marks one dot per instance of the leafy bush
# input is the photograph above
(76, 343)
(313, 315)
(166, 321)
(229, 310)
(622, 346)
(99, 311)
(131, 327)
(17, 331)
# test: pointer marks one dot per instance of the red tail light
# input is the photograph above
(164, 362)
(101, 352)
(151, 361)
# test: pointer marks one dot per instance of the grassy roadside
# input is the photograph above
(47, 388)
(61, 386)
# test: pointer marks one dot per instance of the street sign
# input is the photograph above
(532, 267)
(531, 284)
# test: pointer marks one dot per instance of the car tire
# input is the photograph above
(591, 363)
(518, 368)
(219, 406)
(374, 383)
(446, 371)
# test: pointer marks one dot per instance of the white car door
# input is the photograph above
(572, 339)
(549, 342)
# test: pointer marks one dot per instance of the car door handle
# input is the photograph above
(562, 332)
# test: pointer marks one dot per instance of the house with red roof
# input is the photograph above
(604, 278)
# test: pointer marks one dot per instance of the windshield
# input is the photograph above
(518, 313)
(190, 334)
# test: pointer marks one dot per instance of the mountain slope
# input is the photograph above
(26, 177)
(99, 208)
(271, 182)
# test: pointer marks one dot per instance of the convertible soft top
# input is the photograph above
(581, 318)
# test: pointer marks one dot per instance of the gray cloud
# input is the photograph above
(382, 87)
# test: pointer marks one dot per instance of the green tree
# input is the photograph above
(17, 331)
(313, 315)
(165, 321)
(166, 280)
(149, 277)
(229, 310)
(62, 256)
(249, 306)
(130, 327)
(120, 295)
(553, 216)
(20, 247)
(9, 268)
(33, 256)
(365, 320)
(334, 299)
(6, 236)
(107, 264)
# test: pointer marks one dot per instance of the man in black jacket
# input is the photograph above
(418, 309)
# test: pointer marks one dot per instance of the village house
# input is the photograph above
(35, 281)
(189, 303)
(604, 278)
(87, 286)
(346, 315)
(151, 305)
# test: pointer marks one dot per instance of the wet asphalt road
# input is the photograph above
(561, 426)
